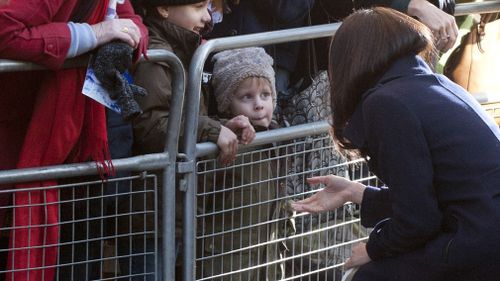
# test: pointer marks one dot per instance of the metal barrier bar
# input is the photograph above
(169, 183)
(193, 102)
(276, 135)
(165, 161)
(14, 65)
(135, 164)
(477, 8)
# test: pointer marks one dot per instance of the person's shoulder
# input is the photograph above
(407, 88)
(394, 96)
(158, 42)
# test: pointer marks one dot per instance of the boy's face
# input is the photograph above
(253, 98)
(191, 17)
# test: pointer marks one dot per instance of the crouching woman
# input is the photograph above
(428, 140)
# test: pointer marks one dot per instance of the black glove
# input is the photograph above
(109, 63)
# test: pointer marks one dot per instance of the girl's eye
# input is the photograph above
(266, 94)
(245, 97)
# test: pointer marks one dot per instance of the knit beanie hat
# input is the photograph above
(231, 67)
(154, 3)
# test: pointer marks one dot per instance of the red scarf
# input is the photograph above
(66, 126)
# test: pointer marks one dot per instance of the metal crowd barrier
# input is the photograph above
(244, 223)
(93, 214)
(205, 227)
(100, 237)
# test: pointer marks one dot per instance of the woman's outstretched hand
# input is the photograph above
(337, 192)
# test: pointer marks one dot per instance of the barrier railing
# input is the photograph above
(162, 161)
(487, 6)
(192, 150)
(188, 166)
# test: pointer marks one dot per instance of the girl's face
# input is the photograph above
(253, 98)
(192, 17)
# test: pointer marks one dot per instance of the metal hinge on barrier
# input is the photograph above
(185, 167)
(183, 185)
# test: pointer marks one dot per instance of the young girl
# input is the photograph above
(177, 26)
(239, 213)
(428, 140)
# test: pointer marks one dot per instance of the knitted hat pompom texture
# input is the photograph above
(231, 67)
(155, 3)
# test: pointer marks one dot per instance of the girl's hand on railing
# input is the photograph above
(337, 192)
(228, 145)
(442, 25)
(117, 29)
(241, 126)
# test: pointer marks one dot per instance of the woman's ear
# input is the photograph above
(163, 11)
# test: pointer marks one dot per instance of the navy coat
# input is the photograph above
(438, 152)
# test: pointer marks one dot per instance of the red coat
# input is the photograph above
(34, 31)
(44, 119)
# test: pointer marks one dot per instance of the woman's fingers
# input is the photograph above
(442, 25)
(446, 36)
(306, 205)
(349, 263)
(307, 200)
(117, 29)
(451, 34)
(128, 32)
(135, 33)
(318, 180)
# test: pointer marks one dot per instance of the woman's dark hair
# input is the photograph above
(362, 50)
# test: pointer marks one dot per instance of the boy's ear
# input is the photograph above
(163, 11)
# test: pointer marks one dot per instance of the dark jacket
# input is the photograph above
(150, 129)
(441, 163)
(253, 16)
